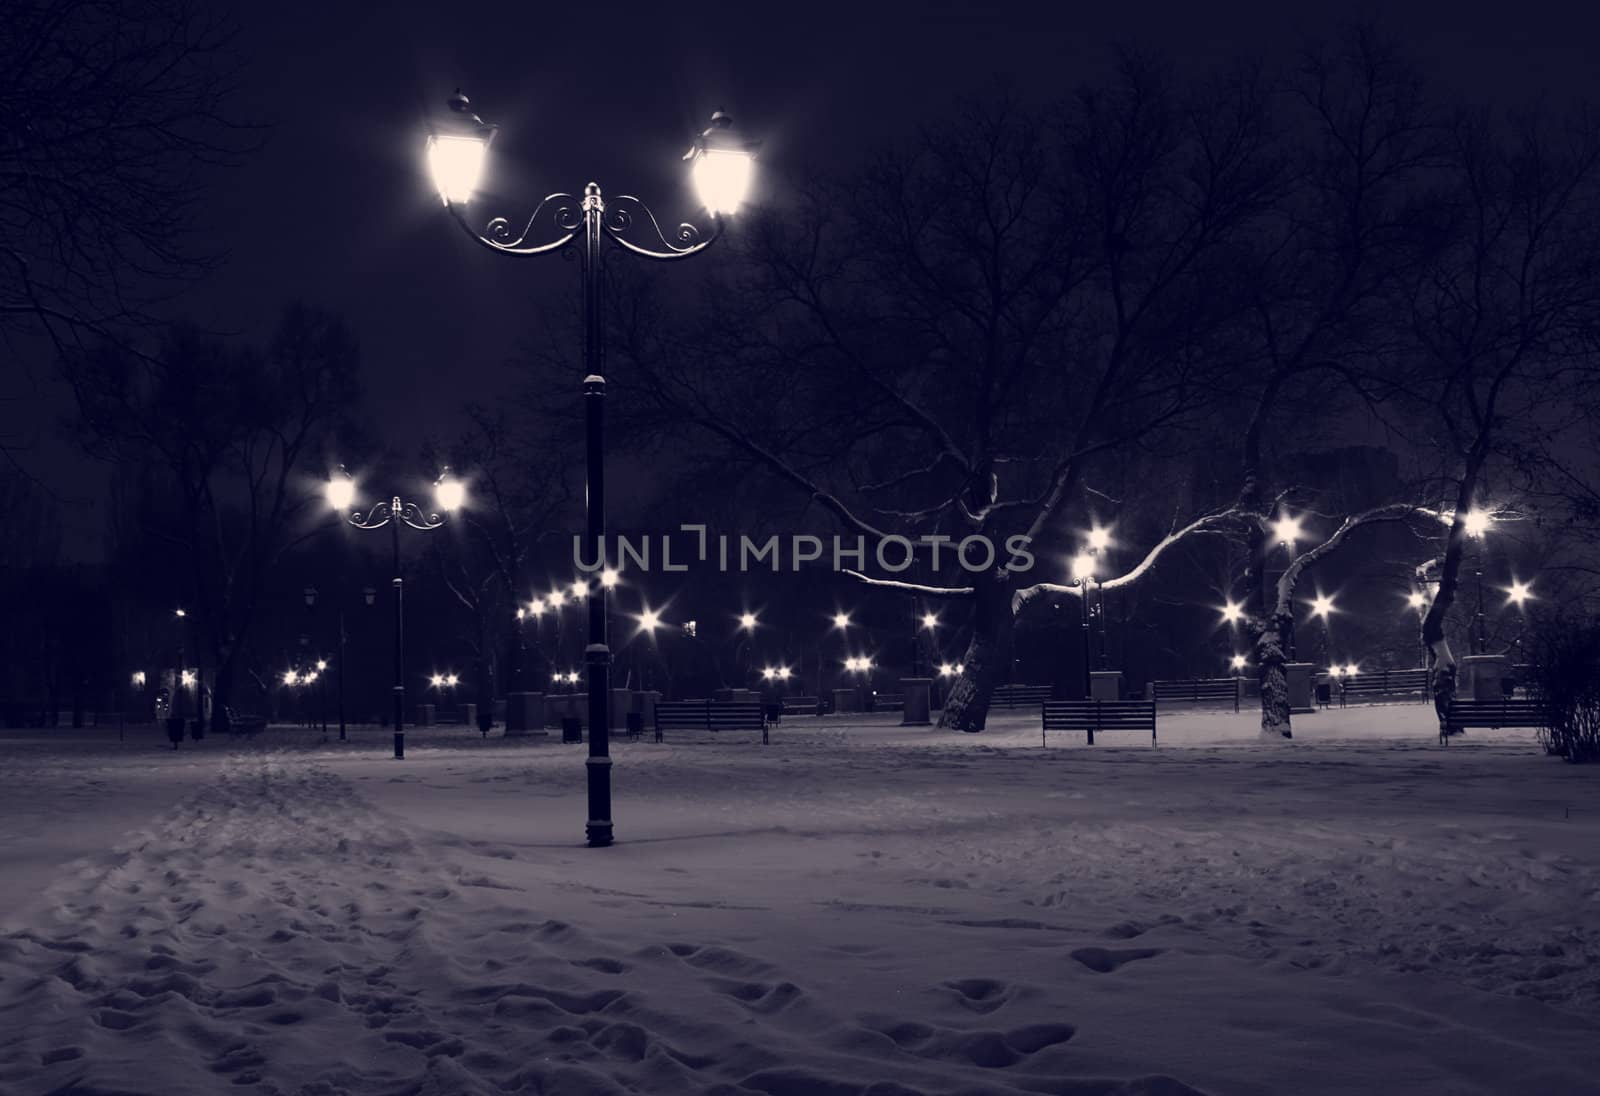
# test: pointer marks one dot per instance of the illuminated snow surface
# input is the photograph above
(858, 910)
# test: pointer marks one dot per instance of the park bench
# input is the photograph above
(710, 715)
(1098, 715)
(1020, 696)
(247, 725)
(802, 705)
(1505, 712)
(1199, 690)
(1382, 684)
(888, 702)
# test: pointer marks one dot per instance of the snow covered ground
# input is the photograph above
(854, 910)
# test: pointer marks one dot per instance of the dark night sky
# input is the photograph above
(337, 209)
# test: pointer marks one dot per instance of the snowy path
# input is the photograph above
(875, 918)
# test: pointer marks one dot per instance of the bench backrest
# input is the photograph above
(1020, 696)
(1507, 709)
(711, 715)
(1091, 716)
(1199, 688)
(1386, 681)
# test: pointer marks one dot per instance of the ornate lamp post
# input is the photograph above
(449, 495)
(721, 167)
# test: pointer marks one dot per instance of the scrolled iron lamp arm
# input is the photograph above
(395, 509)
(617, 221)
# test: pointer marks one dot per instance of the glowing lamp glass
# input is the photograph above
(456, 164)
(449, 494)
(1082, 567)
(340, 493)
(722, 178)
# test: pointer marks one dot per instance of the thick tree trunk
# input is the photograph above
(1271, 661)
(966, 705)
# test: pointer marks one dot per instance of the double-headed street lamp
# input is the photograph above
(721, 168)
(449, 495)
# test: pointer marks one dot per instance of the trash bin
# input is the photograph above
(635, 721)
(571, 729)
(775, 711)
(1324, 693)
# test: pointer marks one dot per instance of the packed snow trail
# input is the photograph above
(275, 934)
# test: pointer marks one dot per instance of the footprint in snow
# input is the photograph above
(1106, 960)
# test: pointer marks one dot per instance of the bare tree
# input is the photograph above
(239, 438)
(1504, 323)
(112, 115)
(946, 344)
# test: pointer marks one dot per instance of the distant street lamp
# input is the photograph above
(721, 167)
(1083, 575)
(1419, 601)
(1322, 606)
(1476, 524)
(1099, 543)
(449, 495)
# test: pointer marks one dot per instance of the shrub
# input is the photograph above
(1564, 674)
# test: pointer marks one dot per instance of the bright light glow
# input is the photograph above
(1238, 662)
(649, 620)
(1519, 592)
(536, 606)
(522, 612)
(138, 678)
(691, 628)
(1232, 612)
(558, 678)
(340, 492)
(1336, 671)
(949, 669)
(841, 620)
(1476, 522)
(579, 588)
(450, 494)
(768, 673)
(179, 613)
(456, 164)
(1351, 669)
(322, 664)
(930, 621)
(747, 621)
(1416, 599)
(1082, 567)
(1286, 529)
(1099, 539)
(609, 577)
(556, 599)
(188, 677)
(783, 673)
(572, 678)
(436, 680)
(1321, 605)
(722, 178)
(290, 677)
(310, 677)
(451, 680)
